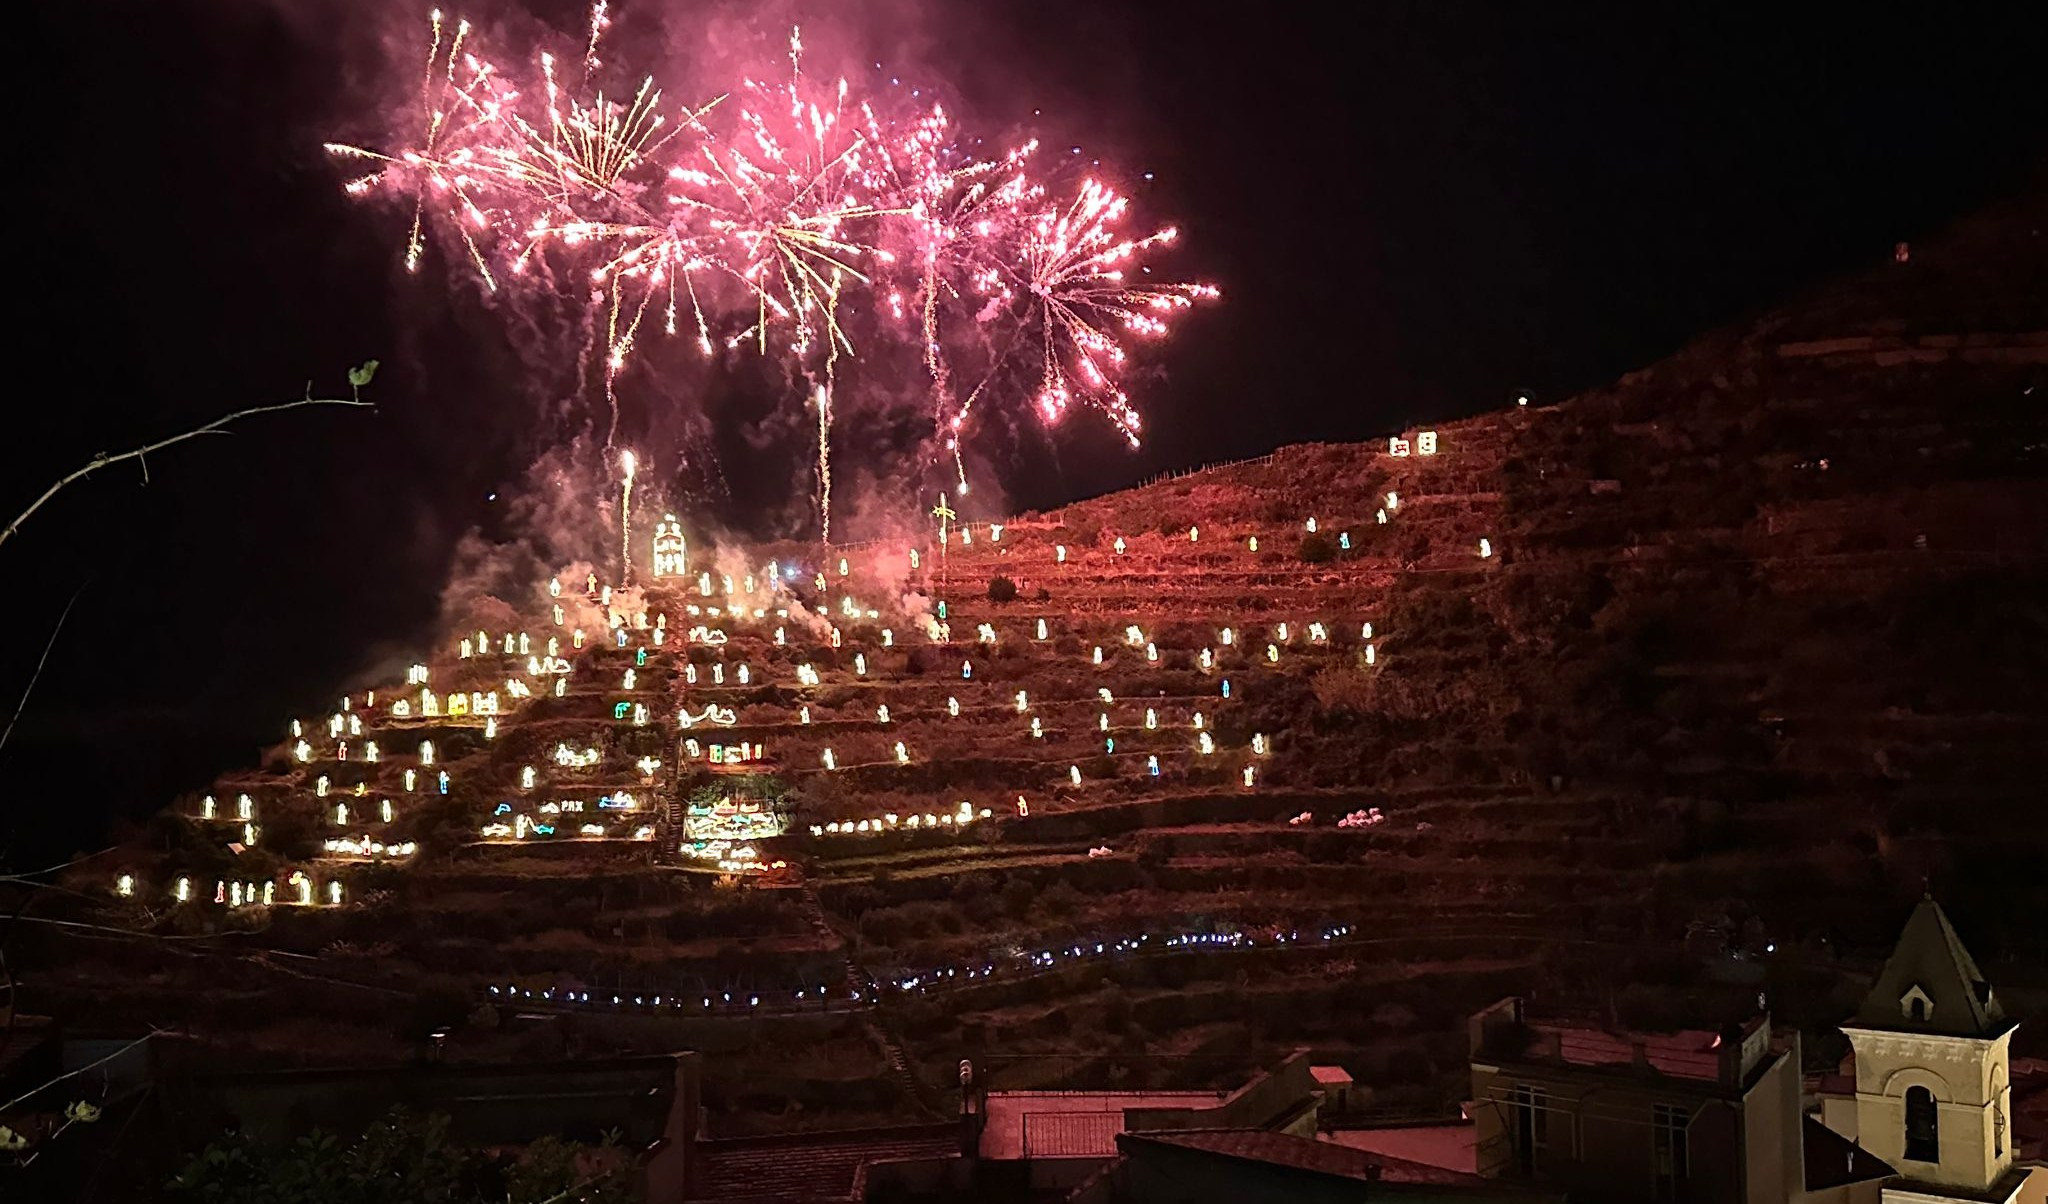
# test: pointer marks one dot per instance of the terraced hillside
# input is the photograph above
(1601, 698)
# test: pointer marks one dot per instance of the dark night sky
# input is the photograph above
(1415, 210)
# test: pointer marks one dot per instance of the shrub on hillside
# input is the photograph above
(1317, 548)
(1001, 589)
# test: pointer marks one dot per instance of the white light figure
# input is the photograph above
(441, 780)
(902, 754)
(1102, 692)
(913, 559)
(1259, 743)
(1208, 659)
(1318, 634)
(888, 638)
(355, 724)
(1037, 731)
(426, 752)
(882, 713)
(1253, 543)
(806, 675)
(1120, 545)
(1151, 719)
(206, 807)
(1194, 535)
(1280, 633)
(1393, 501)
(1151, 652)
(1098, 654)
(334, 727)
(780, 638)
(341, 813)
(835, 637)
(334, 893)
(526, 776)
(554, 587)
(184, 890)
(466, 648)
(1023, 701)
(1249, 773)
(1102, 721)
(126, 886)
(1059, 551)
(384, 809)
(1397, 446)
(966, 670)
(1344, 540)
(269, 893)
(671, 550)
(429, 705)
(860, 664)
(953, 707)
(1198, 721)
(561, 687)
(1370, 654)
(1207, 744)
(1425, 443)
(1273, 653)
(320, 786)
(249, 835)
(576, 638)
(491, 728)
(1311, 524)
(803, 715)
(1381, 516)
(1074, 774)
(1134, 635)
(1485, 548)
(831, 762)
(411, 777)
(235, 895)
(370, 751)
(690, 674)
(1041, 629)
(303, 751)
(987, 633)
(746, 675)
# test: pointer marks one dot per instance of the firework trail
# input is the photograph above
(797, 196)
(627, 465)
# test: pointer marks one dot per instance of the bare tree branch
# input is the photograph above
(40, 662)
(218, 426)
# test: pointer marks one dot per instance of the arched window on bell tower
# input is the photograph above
(1918, 1008)
(1923, 1126)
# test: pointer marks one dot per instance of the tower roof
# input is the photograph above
(1930, 961)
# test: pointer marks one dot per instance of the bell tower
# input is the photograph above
(1933, 1070)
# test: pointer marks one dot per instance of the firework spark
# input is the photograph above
(799, 196)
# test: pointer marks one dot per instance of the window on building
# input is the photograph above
(1923, 1126)
(1532, 1122)
(1919, 1009)
(1669, 1158)
(1997, 1130)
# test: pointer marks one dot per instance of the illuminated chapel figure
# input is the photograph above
(671, 550)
